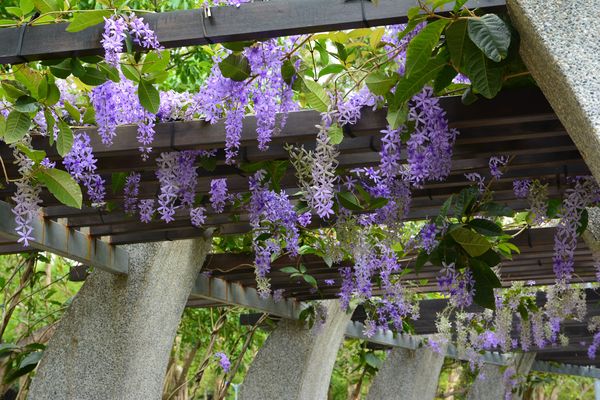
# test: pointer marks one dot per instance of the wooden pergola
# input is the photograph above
(517, 122)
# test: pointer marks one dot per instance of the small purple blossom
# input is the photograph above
(223, 361)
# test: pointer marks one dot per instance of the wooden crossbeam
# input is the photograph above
(253, 21)
(57, 238)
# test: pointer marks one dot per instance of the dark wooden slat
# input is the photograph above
(258, 20)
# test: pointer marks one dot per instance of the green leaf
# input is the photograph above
(83, 20)
(93, 76)
(486, 76)
(491, 34)
(372, 360)
(408, 87)
(149, 96)
(109, 71)
(316, 97)
(336, 134)
(420, 47)
(17, 126)
(61, 70)
(553, 208)
(379, 83)
(62, 186)
(485, 283)
(238, 46)
(465, 201)
(496, 210)
(34, 155)
(396, 118)
(130, 73)
(490, 257)
(64, 142)
(289, 270)
(486, 227)
(16, 11)
(27, 365)
(7, 348)
(310, 280)
(46, 6)
(26, 6)
(117, 181)
(444, 78)
(332, 69)
(468, 97)
(26, 104)
(288, 71)
(348, 200)
(14, 89)
(156, 61)
(456, 37)
(73, 111)
(235, 67)
(473, 243)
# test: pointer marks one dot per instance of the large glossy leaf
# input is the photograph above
(485, 75)
(420, 47)
(486, 227)
(408, 87)
(235, 67)
(62, 186)
(84, 19)
(46, 6)
(473, 243)
(456, 37)
(485, 283)
(17, 126)
(156, 61)
(64, 142)
(149, 96)
(491, 35)
(316, 96)
(379, 83)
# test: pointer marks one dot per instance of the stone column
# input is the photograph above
(408, 375)
(490, 384)
(115, 339)
(560, 44)
(295, 363)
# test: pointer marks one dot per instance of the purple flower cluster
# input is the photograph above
(223, 361)
(495, 163)
(427, 237)
(26, 208)
(218, 194)
(521, 188)
(458, 285)
(115, 31)
(221, 97)
(177, 175)
(430, 146)
(131, 192)
(274, 213)
(81, 164)
(580, 196)
(198, 216)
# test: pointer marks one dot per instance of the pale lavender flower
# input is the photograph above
(218, 194)
(223, 361)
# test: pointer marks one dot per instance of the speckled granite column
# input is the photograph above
(560, 43)
(591, 235)
(491, 385)
(295, 363)
(115, 339)
(408, 375)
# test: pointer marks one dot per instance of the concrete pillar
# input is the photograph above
(408, 375)
(591, 235)
(491, 385)
(560, 44)
(295, 363)
(114, 341)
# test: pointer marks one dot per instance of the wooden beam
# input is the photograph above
(253, 21)
(70, 243)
